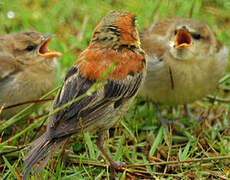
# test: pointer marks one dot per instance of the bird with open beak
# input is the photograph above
(184, 62)
(115, 41)
(27, 69)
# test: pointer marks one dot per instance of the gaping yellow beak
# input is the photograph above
(44, 49)
(183, 39)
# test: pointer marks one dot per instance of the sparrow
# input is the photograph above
(184, 62)
(115, 40)
(27, 69)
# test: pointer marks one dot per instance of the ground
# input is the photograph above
(198, 150)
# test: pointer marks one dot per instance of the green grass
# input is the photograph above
(139, 140)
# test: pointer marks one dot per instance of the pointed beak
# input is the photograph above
(44, 50)
(183, 39)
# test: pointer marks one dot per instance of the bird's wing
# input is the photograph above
(92, 108)
(8, 66)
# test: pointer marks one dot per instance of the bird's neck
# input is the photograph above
(94, 61)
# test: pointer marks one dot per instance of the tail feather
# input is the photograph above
(34, 147)
(39, 149)
(42, 147)
(57, 145)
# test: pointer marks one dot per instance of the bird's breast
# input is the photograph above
(177, 82)
(93, 62)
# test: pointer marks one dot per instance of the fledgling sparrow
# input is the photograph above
(27, 69)
(184, 61)
(115, 40)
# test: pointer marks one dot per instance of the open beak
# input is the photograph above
(43, 49)
(183, 39)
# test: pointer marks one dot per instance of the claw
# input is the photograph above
(188, 113)
(118, 164)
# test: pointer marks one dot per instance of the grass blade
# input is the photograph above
(156, 142)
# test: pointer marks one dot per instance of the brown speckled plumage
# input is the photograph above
(114, 40)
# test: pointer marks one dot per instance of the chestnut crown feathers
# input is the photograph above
(118, 28)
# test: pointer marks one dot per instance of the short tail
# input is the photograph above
(42, 147)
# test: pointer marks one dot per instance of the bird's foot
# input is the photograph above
(188, 113)
(100, 142)
(117, 164)
(166, 123)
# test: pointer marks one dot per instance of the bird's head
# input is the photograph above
(190, 39)
(117, 28)
(29, 47)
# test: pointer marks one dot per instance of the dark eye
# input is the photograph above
(30, 48)
(175, 32)
(134, 20)
(196, 36)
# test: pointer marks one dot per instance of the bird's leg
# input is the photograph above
(163, 120)
(189, 114)
(100, 143)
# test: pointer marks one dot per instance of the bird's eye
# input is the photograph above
(175, 32)
(30, 48)
(134, 20)
(196, 36)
